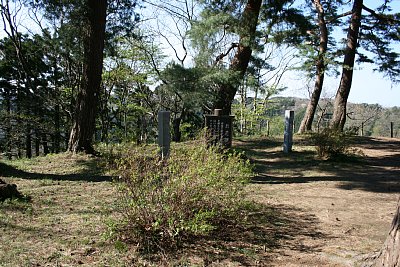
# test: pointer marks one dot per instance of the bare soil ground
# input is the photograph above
(311, 212)
(344, 209)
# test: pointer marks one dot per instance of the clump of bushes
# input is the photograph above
(189, 194)
(331, 144)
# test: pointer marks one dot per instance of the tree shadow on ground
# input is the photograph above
(256, 239)
(88, 173)
(260, 142)
(377, 173)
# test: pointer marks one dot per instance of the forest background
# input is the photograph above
(182, 56)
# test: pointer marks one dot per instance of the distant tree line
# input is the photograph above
(362, 119)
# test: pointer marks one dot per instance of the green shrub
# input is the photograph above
(189, 194)
(330, 143)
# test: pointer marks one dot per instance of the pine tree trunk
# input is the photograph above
(226, 92)
(306, 123)
(20, 125)
(7, 100)
(176, 126)
(176, 132)
(57, 131)
(45, 144)
(389, 255)
(81, 138)
(37, 143)
(339, 113)
(66, 138)
(104, 117)
(28, 141)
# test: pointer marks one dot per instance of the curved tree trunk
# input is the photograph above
(307, 121)
(339, 113)
(227, 92)
(81, 138)
(389, 255)
(176, 125)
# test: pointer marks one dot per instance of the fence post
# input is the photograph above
(362, 129)
(391, 129)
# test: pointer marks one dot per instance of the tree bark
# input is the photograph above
(306, 123)
(389, 256)
(227, 91)
(57, 130)
(176, 125)
(45, 144)
(7, 100)
(339, 113)
(176, 132)
(37, 143)
(81, 137)
(28, 141)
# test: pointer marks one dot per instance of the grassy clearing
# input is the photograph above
(74, 202)
(65, 220)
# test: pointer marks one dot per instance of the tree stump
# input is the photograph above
(8, 191)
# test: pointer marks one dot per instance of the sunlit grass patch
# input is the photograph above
(65, 219)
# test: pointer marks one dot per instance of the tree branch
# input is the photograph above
(384, 17)
(222, 55)
(339, 16)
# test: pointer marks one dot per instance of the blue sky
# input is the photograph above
(371, 87)
(367, 87)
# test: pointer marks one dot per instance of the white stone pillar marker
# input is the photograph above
(288, 135)
(164, 137)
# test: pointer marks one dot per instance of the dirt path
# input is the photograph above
(343, 209)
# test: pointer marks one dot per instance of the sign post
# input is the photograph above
(164, 138)
(288, 135)
(220, 128)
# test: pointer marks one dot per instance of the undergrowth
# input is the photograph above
(166, 202)
(334, 145)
